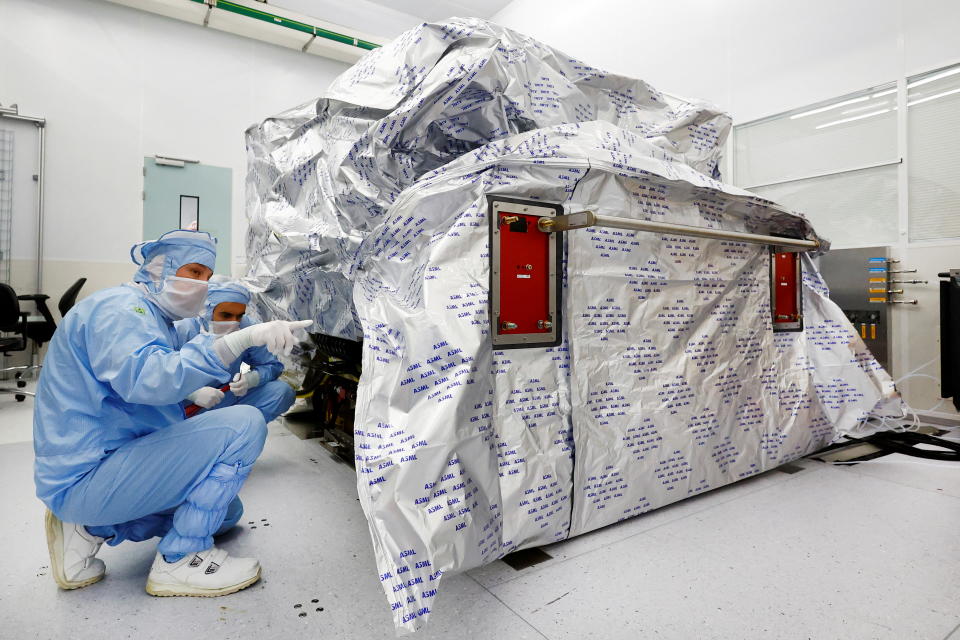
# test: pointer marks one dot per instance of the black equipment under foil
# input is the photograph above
(950, 336)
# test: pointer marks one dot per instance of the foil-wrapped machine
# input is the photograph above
(566, 318)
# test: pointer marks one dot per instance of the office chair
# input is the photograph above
(12, 320)
(41, 331)
(69, 297)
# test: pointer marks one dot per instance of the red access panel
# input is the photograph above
(524, 274)
(785, 291)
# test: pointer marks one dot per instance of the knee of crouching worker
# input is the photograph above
(287, 395)
(248, 422)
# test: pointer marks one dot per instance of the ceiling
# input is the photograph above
(434, 10)
(429, 10)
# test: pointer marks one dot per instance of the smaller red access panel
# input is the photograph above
(785, 272)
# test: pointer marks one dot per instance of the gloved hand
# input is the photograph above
(276, 335)
(243, 382)
(206, 397)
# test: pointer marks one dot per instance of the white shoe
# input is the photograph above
(204, 573)
(72, 552)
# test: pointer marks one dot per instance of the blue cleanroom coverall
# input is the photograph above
(114, 451)
(273, 397)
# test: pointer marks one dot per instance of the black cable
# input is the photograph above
(905, 442)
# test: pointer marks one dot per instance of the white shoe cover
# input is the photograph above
(204, 573)
(72, 552)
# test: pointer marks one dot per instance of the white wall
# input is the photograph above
(116, 84)
(752, 57)
(756, 58)
(382, 18)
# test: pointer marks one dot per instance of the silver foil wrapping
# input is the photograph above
(322, 176)
(368, 214)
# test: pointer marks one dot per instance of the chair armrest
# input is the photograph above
(40, 300)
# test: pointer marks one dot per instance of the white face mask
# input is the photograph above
(182, 297)
(223, 327)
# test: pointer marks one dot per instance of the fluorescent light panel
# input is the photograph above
(829, 107)
(934, 77)
(864, 108)
(934, 97)
(851, 119)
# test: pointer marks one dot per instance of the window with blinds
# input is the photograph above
(854, 208)
(835, 162)
(933, 144)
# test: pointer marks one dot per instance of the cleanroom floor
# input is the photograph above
(870, 551)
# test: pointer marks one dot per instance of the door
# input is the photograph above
(181, 194)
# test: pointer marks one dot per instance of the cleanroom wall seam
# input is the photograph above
(900, 324)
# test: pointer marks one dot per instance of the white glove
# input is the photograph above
(243, 382)
(206, 397)
(276, 335)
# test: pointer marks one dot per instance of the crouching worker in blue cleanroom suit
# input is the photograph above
(225, 313)
(115, 458)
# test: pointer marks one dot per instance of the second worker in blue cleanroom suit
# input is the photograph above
(224, 313)
(115, 457)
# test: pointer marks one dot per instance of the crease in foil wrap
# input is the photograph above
(368, 214)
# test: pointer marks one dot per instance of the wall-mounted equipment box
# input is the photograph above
(854, 277)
